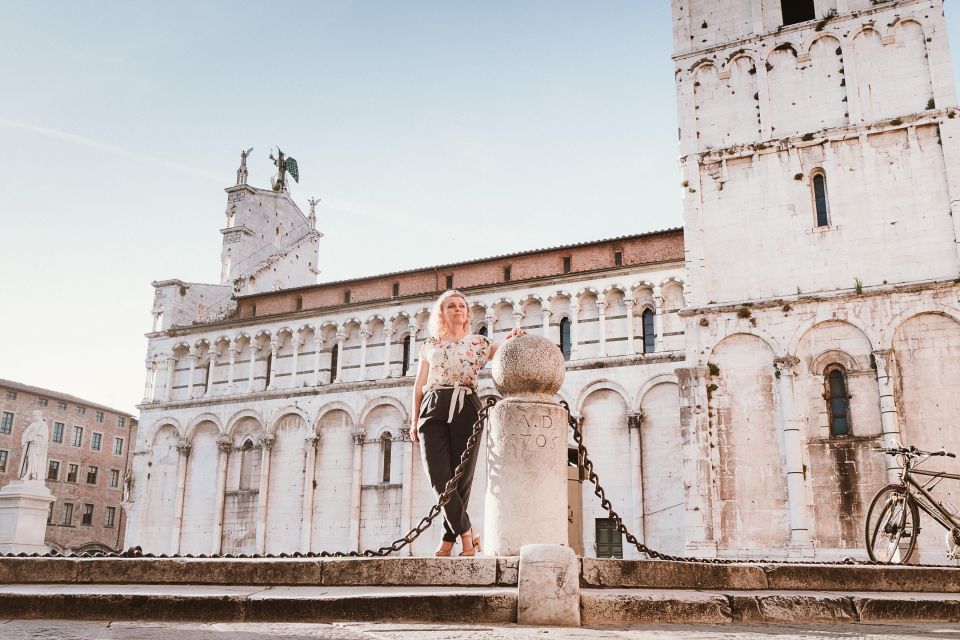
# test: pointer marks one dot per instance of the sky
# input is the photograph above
(432, 131)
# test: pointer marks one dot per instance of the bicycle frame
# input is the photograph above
(927, 503)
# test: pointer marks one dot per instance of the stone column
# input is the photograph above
(224, 448)
(658, 320)
(295, 366)
(634, 424)
(602, 314)
(631, 346)
(317, 347)
(148, 382)
(183, 449)
(274, 353)
(491, 323)
(546, 313)
(387, 337)
(171, 370)
(414, 329)
(517, 316)
(356, 489)
(793, 453)
(266, 446)
(406, 502)
(341, 338)
(364, 336)
(574, 330)
(889, 416)
(192, 374)
(253, 366)
(695, 448)
(309, 474)
(526, 497)
(231, 369)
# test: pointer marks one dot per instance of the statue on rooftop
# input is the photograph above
(34, 443)
(242, 171)
(284, 166)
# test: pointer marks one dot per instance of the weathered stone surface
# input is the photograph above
(919, 607)
(410, 571)
(790, 607)
(529, 367)
(657, 574)
(600, 607)
(24, 505)
(548, 586)
(863, 578)
(508, 570)
(526, 497)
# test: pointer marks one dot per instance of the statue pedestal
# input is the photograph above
(526, 499)
(24, 505)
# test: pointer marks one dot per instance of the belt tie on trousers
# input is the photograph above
(457, 399)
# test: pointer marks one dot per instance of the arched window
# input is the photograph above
(334, 356)
(838, 400)
(482, 330)
(385, 446)
(246, 465)
(820, 199)
(405, 366)
(649, 337)
(565, 344)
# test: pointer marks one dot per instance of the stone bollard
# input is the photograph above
(526, 499)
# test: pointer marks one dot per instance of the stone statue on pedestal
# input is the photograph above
(34, 443)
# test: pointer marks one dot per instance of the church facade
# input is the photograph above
(734, 377)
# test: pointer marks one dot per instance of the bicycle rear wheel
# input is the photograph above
(892, 525)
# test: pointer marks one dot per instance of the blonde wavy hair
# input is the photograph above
(438, 325)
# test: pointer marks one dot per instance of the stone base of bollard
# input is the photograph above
(548, 586)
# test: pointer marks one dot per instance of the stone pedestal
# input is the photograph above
(24, 505)
(526, 499)
(548, 586)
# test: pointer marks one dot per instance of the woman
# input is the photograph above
(445, 407)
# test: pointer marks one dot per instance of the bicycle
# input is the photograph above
(893, 519)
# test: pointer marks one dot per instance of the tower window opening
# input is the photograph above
(246, 466)
(346, 296)
(565, 344)
(649, 335)
(334, 356)
(405, 365)
(506, 274)
(567, 260)
(820, 199)
(396, 290)
(299, 303)
(795, 11)
(385, 446)
(838, 401)
(618, 258)
(449, 283)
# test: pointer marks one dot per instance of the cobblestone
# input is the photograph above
(83, 630)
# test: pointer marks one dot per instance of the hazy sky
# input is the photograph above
(433, 131)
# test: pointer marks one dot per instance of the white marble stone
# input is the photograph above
(24, 505)
(548, 586)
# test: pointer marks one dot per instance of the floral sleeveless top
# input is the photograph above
(455, 361)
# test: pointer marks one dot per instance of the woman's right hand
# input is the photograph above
(413, 433)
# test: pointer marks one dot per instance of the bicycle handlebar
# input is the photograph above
(913, 452)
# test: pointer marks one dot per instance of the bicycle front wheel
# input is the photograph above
(892, 526)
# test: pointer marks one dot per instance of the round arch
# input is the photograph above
(380, 402)
(160, 423)
(662, 378)
(597, 385)
(889, 331)
(203, 417)
(809, 325)
(236, 418)
(760, 334)
(289, 410)
(336, 405)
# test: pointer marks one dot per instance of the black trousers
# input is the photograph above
(441, 447)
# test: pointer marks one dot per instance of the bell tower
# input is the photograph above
(819, 146)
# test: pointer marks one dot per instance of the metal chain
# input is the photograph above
(587, 466)
(472, 442)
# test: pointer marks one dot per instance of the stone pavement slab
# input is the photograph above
(86, 630)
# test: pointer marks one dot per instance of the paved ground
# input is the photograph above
(77, 630)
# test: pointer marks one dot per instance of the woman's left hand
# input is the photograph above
(514, 333)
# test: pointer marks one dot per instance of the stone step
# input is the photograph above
(477, 605)
(475, 572)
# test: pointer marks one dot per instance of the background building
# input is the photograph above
(89, 461)
(734, 378)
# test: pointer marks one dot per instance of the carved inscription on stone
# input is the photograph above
(237, 196)
(530, 433)
(233, 236)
